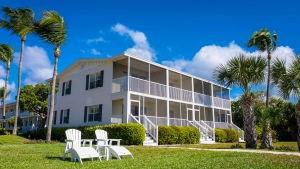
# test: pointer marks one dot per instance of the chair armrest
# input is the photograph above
(116, 140)
(69, 140)
(101, 139)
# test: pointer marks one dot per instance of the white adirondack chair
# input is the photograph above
(105, 144)
(78, 152)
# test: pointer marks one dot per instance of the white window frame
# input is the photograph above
(64, 116)
(94, 108)
(66, 87)
(95, 81)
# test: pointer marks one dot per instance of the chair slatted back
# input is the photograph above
(73, 134)
(101, 134)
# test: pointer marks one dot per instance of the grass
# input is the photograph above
(11, 139)
(49, 156)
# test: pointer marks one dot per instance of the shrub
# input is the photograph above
(232, 135)
(11, 121)
(130, 133)
(220, 135)
(286, 148)
(236, 146)
(178, 135)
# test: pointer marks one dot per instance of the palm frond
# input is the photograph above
(51, 28)
(6, 53)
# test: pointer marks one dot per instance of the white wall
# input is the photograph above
(80, 97)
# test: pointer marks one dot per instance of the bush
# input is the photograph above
(178, 135)
(220, 135)
(232, 135)
(130, 133)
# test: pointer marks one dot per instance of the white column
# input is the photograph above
(230, 107)
(193, 99)
(167, 80)
(180, 115)
(128, 102)
(156, 112)
(214, 125)
(149, 78)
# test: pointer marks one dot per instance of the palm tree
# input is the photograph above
(20, 22)
(244, 72)
(265, 42)
(287, 80)
(6, 55)
(52, 29)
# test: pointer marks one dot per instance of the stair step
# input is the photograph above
(149, 144)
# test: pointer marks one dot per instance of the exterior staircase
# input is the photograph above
(149, 141)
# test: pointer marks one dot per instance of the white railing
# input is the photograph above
(174, 122)
(157, 89)
(175, 93)
(217, 102)
(198, 98)
(202, 130)
(138, 85)
(162, 121)
(241, 132)
(133, 119)
(209, 123)
(186, 95)
(211, 131)
(226, 104)
(152, 119)
(151, 128)
(207, 100)
(119, 85)
(116, 119)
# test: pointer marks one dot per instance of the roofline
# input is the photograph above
(126, 54)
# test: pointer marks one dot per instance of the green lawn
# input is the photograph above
(10, 139)
(49, 156)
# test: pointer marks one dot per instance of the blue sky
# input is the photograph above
(187, 35)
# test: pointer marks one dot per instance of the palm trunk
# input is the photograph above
(50, 118)
(19, 85)
(298, 123)
(4, 95)
(248, 117)
(267, 131)
(267, 136)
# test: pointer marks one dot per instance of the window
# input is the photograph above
(94, 80)
(135, 110)
(134, 75)
(93, 113)
(66, 89)
(64, 116)
(54, 117)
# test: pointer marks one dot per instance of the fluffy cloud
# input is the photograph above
(10, 87)
(2, 71)
(36, 65)
(141, 46)
(95, 52)
(96, 40)
(209, 57)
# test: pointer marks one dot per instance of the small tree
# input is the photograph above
(11, 121)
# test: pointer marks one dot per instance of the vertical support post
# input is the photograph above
(180, 114)
(128, 102)
(193, 99)
(203, 92)
(214, 125)
(167, 80)
(180, 87)
(156, 112)
(149, 78)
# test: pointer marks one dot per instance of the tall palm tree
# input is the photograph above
(244, 72)
(265, 42)
(287, 80)
(20, 22)
(52, 29)
(6, 55)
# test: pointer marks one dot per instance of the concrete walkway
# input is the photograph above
(245, 150)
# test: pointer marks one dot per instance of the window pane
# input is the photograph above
(92, 78)
(98, 76)
(92, 85)
(96, 117)
(90, 117)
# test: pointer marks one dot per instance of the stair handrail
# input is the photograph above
(151, 128)
(202, 129)
(134, 119)
(241, 132)
(211, 131)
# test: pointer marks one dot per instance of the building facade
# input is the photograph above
(126, 88)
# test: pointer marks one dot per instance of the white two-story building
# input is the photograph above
(126, 88)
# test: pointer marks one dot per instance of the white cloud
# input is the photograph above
(36, 65)
(95, 52)
(10, 87)
(2, 71)
(209, 57)
(96, 40)
(141, 46)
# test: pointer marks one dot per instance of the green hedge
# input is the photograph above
(130, 133)
(177, 135)
(226, 135)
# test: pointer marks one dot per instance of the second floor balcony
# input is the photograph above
(138, 85)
